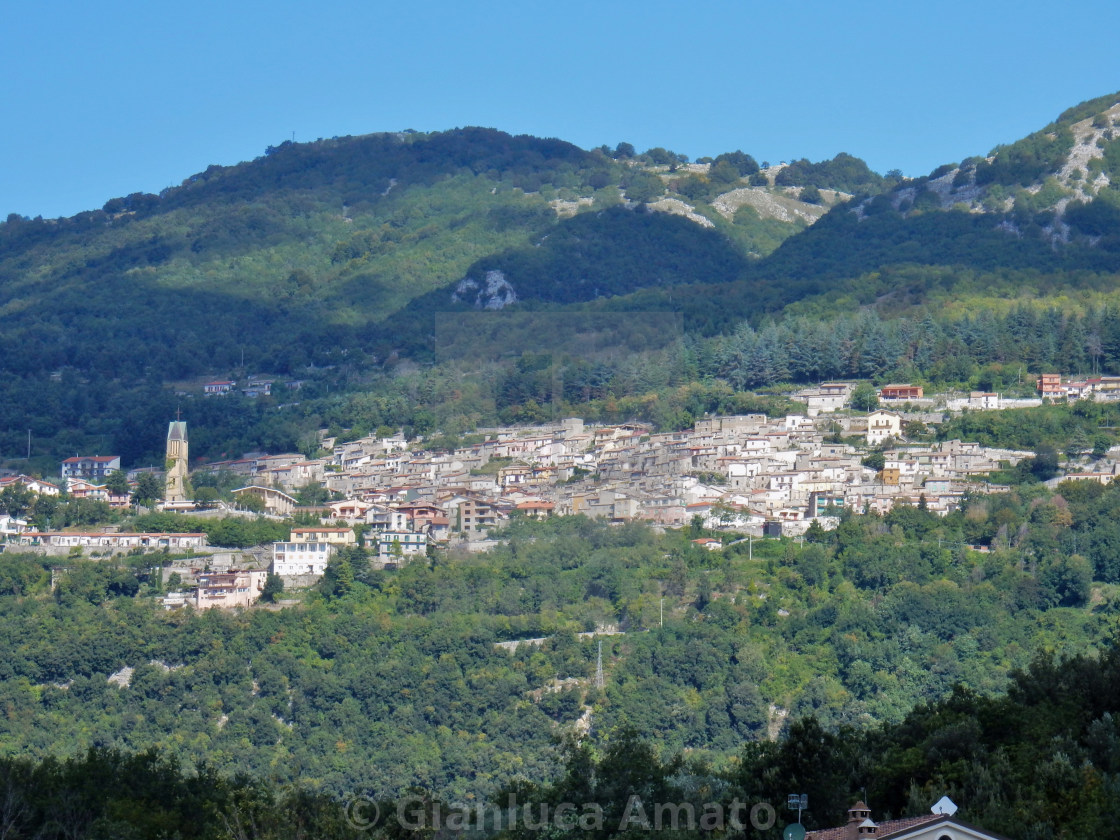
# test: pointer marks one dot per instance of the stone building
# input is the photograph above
(176, 486)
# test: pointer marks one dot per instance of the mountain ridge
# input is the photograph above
(326, 260)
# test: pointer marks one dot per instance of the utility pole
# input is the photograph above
(599, 682)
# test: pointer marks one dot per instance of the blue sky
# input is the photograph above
(103, 99)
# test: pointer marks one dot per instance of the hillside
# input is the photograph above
(1049, 203)
(382, 680)
(295, 266)
(329, 263)
(291, 258)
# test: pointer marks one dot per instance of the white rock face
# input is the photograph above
(679, 208)
(493, 292)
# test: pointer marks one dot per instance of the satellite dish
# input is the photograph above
(944, 806)
(796, 831)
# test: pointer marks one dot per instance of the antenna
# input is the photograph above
(599, 668)
(800, 801)
(944, 806)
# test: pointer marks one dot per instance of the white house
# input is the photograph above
(300, 558)
(940, 824)
(983, 400)
(395, 547)
(90, 467)
(11, 527)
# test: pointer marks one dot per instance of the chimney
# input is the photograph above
(859, 822)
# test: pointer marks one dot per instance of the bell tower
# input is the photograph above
(176, 488)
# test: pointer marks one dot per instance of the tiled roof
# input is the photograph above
(885, 828)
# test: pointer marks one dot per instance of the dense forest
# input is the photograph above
(384, 679)
(557, 367)
(1039, 761)
(384, 683)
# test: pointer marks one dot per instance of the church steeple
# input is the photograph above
(176, 488)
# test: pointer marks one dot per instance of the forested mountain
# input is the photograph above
(296, 265)
(1039, 762)
(329, 263)
(307, 251)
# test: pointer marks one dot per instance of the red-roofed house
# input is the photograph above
(35, 485)
(90, 467)
(1050, 385)
(900, 392)
(536, 508)
(932, 826)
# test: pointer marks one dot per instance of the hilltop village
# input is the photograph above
(751, 474)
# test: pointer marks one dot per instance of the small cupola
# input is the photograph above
(859, 812)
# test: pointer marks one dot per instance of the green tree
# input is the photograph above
(643, 187)
(810, 195)
(44, 509)
(1101, 444)
(273, 586)
(864, 397)
(724, 173)
(875, 461)
(16, 499)
(338, 578)
(206, 497)
(743, 163)
(149, 489)
(1077, 444)
(117, 483)
(250, 502)
(1044, 465)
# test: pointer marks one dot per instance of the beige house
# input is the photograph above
(351, 510)
(881, 425)
(334, 536)
(275, 501)
(229, 589)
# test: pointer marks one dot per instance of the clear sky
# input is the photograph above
(102, 99)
